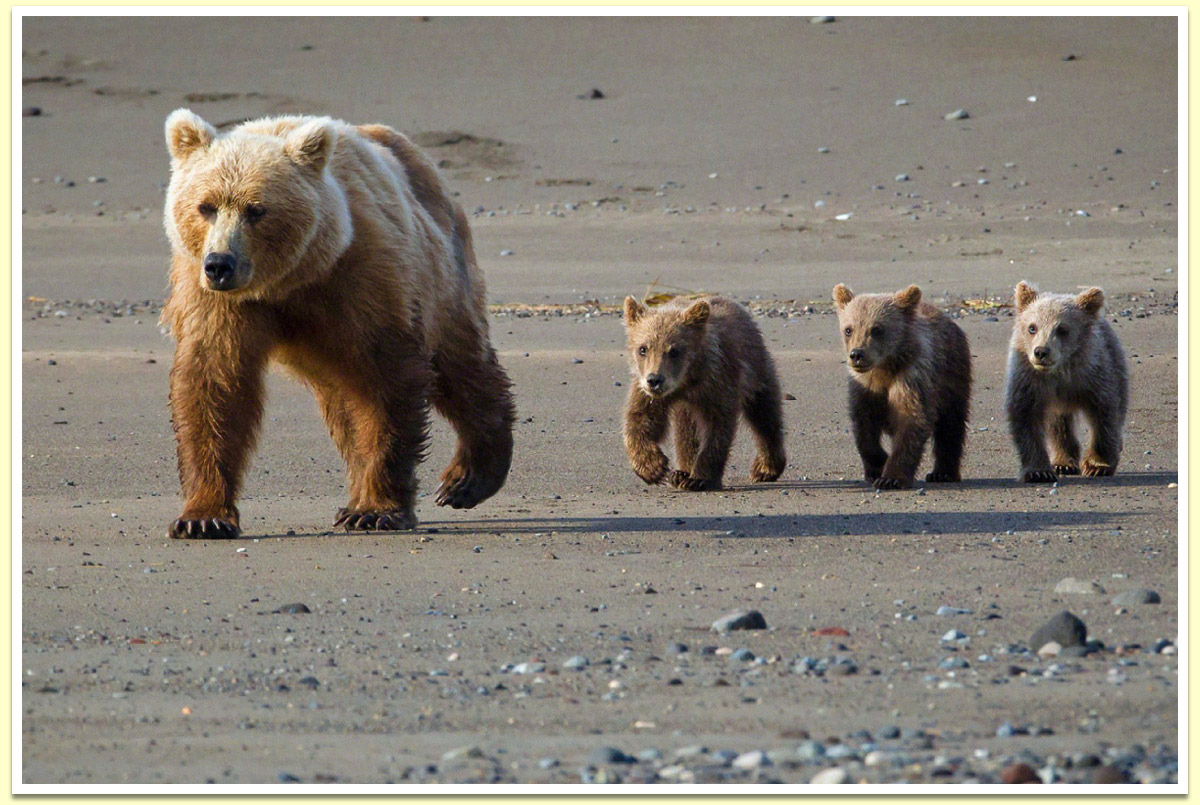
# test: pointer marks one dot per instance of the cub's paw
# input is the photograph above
(1095, 469)
(763, 470)
(1039, 476)
(677, 478)
(1066, 469)
(652, 469)
(203, 528)
(372, 520)
(693, 484)
(892, 483)
(937, 477)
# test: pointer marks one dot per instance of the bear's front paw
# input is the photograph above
(372, 520)
(892, 483)
(763, 470)
(872, 474)
(937, 477)
(1039, 476)
(203, 528)
(651, 469)
(1066, 469)
(677, 478)
(1096, 469)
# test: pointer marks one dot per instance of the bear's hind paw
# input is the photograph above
(203, 528)
(1039, 476)
(892, 483)
(1066, 469)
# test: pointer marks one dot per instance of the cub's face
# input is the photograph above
(873, 326)
(246, 206)
(1051, 328)
(663, 344)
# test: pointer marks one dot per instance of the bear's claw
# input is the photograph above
(395, 520)
(203, 528)
(762, 470)
(1066, 469)
(942, 478)
(891, 483)
(1039, 476)
(461, 493)
(682, 480)
(1092, 469)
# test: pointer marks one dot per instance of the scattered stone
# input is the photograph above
(1073, 586)
(957, 114)
(834, 776)
(293, 609)
(528, 668)
(463, 752)
(888, 733)
(830, 631)
(1017, 773)
(1135, 597)
(821, 20)
(751, 760)
(953, 635)
(1051, 649)
(742, 655)
(1108, 775)
(810, 750)
(649, 755)
(608, 755)
(901, 102)
(547, 763)
(945, 611)
(954, 662)
(576, 663)
(1064, 629)
(902, 177)
(284, 777)
(742, 619)
(31, 111)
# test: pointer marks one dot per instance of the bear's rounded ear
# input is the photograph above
(1025, 295)
(907, 299)
(1091, 300)
(634, 310)
(187, 133)
(697, 314)
(842, 295)
(311, 144)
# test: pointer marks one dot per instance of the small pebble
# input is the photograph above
(1017, 773)
(742, 619)
(833, 776)
(1135, 597)
(957, 114)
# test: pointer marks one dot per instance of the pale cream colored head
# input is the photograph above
(1051, 328)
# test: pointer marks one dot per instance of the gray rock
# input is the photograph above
(810, 750)
(1073, 586)
(547, 763)
(888, 733)
(957, 114)
(954, 662)
(742, 619)
(751, 760)
(947, 611)
(742, 655)
(607, 755)
(1131, 598)
(1064, 629)
(529, 668)
(649, 755)
(576, 663)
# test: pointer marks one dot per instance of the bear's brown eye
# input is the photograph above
(641, 350)
(207, 210)
(1032, 329)
(848, 331)
(876, 331)
(1063, 332)
(254, 212)
(673, 352)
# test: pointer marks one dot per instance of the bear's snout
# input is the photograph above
(654, 381)
(221, 270)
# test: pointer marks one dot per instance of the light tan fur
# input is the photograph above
(344, 259)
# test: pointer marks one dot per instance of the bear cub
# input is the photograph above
(1064, 360)
(698, 366)
(910, 377)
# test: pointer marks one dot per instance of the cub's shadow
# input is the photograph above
(1121, 479)
(796, 525)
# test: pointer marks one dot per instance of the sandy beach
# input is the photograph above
(560, 632)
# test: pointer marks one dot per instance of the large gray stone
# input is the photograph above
(1064, 629)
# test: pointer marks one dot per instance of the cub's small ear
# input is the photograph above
(697, 314)
(634, 310)
(1025, 295)
(1091, 300)
(187, 133)
(907, 299)
(311, 144)
(842, 295)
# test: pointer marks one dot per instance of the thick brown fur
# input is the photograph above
(697, 367)
(348, 263)
(910, 377)
(1064, 360)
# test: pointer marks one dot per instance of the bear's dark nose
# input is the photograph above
(1041, 353)
(856, 355)
(219, 268)
(654, 381)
